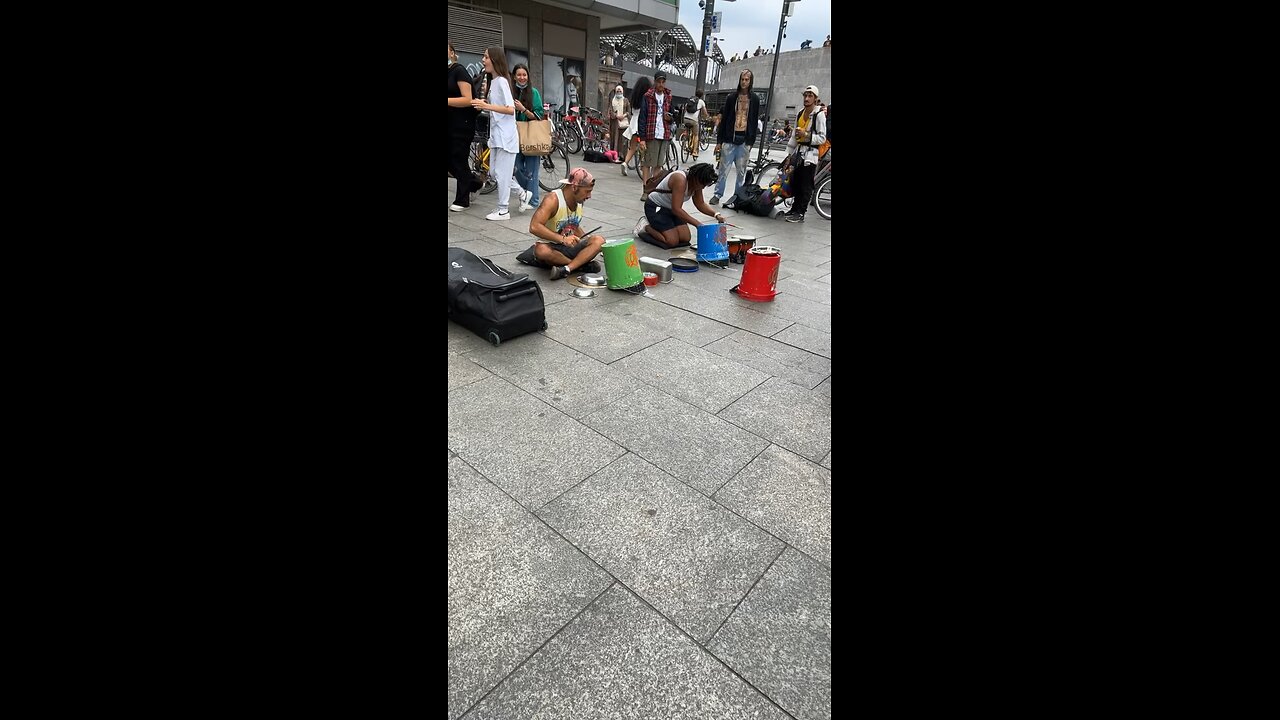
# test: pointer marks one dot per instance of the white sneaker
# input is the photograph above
(525, 197)
(456, 208)
(641, 224)
(495, 215)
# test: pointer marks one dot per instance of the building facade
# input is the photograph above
(559, 40)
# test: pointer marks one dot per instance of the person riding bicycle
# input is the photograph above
(693, 113)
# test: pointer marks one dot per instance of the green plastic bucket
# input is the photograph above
(622, 264)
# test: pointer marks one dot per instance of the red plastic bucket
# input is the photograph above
(760, 274)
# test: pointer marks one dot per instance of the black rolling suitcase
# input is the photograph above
(491, 302)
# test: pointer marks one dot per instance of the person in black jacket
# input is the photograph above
(462, 128)
(737, 133)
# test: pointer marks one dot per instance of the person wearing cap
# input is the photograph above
(739, 123)
(811, 132)
(655, 126)
(557, 227)
(619, 116)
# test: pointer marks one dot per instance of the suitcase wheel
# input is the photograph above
(493, 338)
(545, 325)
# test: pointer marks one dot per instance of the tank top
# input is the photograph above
(564, 222)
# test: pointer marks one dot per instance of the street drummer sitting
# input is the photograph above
(666, 223)
(561, 244)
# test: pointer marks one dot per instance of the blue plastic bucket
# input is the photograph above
(713, 242)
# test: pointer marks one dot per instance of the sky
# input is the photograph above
(748, 23)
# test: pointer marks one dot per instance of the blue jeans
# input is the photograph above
(738, 155)
(527, 169)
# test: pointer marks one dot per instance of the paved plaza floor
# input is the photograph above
(640, 495)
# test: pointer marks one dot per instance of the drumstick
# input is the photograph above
(585, 234)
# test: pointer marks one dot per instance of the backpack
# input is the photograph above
(760, 203)
(652, 184)
(691, 107)
(751, 198)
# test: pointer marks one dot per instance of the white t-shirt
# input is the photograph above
(502, 127)
(660, 127)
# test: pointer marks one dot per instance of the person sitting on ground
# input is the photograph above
(828, 42)
(666, 223)
(557, 226)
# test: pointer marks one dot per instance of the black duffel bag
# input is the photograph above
(493, 302)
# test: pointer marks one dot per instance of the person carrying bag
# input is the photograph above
(535, 136)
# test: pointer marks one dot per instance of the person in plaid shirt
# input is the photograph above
(655, 126)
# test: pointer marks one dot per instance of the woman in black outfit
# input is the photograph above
(462, 128)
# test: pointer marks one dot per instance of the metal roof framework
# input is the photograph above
(640, 47)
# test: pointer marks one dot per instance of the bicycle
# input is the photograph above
(479, 163)
(822, 191)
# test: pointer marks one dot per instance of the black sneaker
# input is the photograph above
(798, 217)
(559, 271)
(590, 266)
(715, 199)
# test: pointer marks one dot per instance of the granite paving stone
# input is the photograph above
(462, 341)
(786, 414)
(787, 495)
(463, 372)
(779, 638)
(584, 326)
(688, 443)
(699, 377)
(682, 552)
(525, 446)
(810, 289)
(573, 383)
(806, 338)
(647, 430)
(728, 309)
(619, 660)
(775, 358)
(481, 246)
(790, 268)
(659, 320)
(513, 583)
(799, 309)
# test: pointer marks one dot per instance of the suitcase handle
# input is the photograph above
(518, 293)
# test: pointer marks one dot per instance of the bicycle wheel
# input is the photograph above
(684, 146)
(673, 162)
(634, 162)
(704, 139)
(573, 139)
(822, 198)
(554, 166)
(480, 163)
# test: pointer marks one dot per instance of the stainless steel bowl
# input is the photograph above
(583, 293)
(593, 280)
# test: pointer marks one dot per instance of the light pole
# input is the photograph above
(707, 12)
(777, 48)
